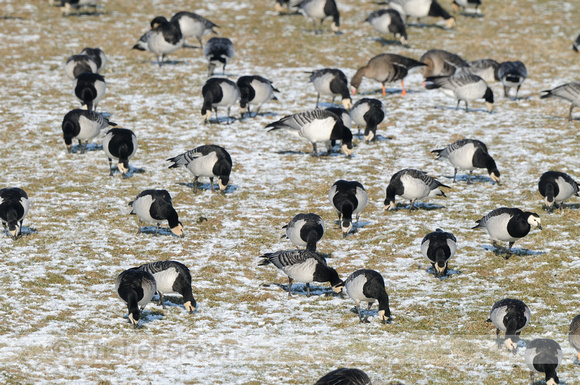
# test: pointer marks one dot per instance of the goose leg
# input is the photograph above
(315, 149)
(139, 228)
(290, 287)
(217, 119)
(157, 229)
(317, 99)
(308, 290)
(211, 183)
(358, 312)
(469, 177)
(570, 114)
(497, 338)
(161, 299)
(110, 167)
(454, 174)
(195, 184)
(384, 90)
(403, 93)
(509, 250)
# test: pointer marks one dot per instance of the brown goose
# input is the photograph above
(385, 68)
(441, 63)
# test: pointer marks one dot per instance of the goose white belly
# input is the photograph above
(414, 188)
(354, 289)
(89, 128)
(191, 27)
(203, 166)
(315, 9)
(322, 83)
(566, 190)
(165, 280)
(498, 315)
(318, 130)
(302, 272)
(381, 23)
(25, 205)
(263, 92)
(413, 8)
(142, 206)
(294, 234)
(462, 158)
(357, 114)
(101, 88)
(362, 199)
(471, 91)
(497, 228)
(157, 43)
(230, 94)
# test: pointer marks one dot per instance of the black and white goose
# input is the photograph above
(569, 92)
(120, 144)
(412, 184)
(422, 8)
(193, 25)
(172, 277)
(303, 266)
(509, 316)
(318, 10)
(349, 198)
(208, 161)
(255, 91)
(439, 247)
(165, 38)
(367, 285)
(218, 50)
(333, 82)
(344, 376)
(469, 154)
(508, 225)
(156, 206)
(556, 187)
(78, 64)
(574, 335)
(136, 288)
(305, 230)
(90, 89)
(368, 112)
(464, 87)
(388, 21)
(441, 63)
(67, 6)
(544, 355)
(98, 57)
(14, 206)
(512, 74)
(218, 92)
(83, 125)
(316, 126)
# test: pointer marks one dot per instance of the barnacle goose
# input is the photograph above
(14, 206)
(305, 230)
(316, 126)
(218, 50)
(422, 8)
(512, 74)
(574, 335)
(156, 206)
(120, 144)
(165, 38)
(83, 125)
(193, 25)
(344, 376)
(544, 356)
(349, 199)
(509, 316)
(90, 89)
(388, 21)
(318, 10)
(556, 187)
(303, 266)
(98, 57)
(207, 161)
(218, 92)
(441, 63)
(367, 285)
(412, 184)
(254, 90)
(368, 112)
(508, 225)
(464, 86)
(172, 277)
(439, 247)
(136, 288)
(78, 64)
(569, 92)
(469, 154)
(333, 82)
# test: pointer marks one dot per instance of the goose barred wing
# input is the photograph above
(494, 213)
(429, 181)
(282, 259)
(156, 267)
(297, 121)
(569, 91)
(185, 158)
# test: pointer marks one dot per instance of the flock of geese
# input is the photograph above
(465, 81)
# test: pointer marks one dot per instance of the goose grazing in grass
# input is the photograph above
(218, 92)
(441, 63)
(193, 25)
(385, 68)
(90, 89)
(512, 74)
(172, 277)
(412, 184)
(464, 87)
(305, 230)
(349, 198)
(439, 247)
(303, 266)
(120, 144)
(556, 187)
(318, 10)
(218, 50)
(484, 68)
(78, 64)
(368, 286)
(574, 335)
(82, 125)
(208, 161)
(544, 356)
(165, 38)
(255, 91)
(422, 8)
(69, 5)
(156, 206)
(509, 316)
(368, 112)
(316, 126)
(136, 288)
(388, 21)
(98, 57)
(469, 154)
(569, 92)
(14, 206)
(508, 225)
(344, 376)
(333, 82)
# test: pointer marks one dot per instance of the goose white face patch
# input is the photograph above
(535, 221)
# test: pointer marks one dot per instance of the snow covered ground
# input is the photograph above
(62, 322)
